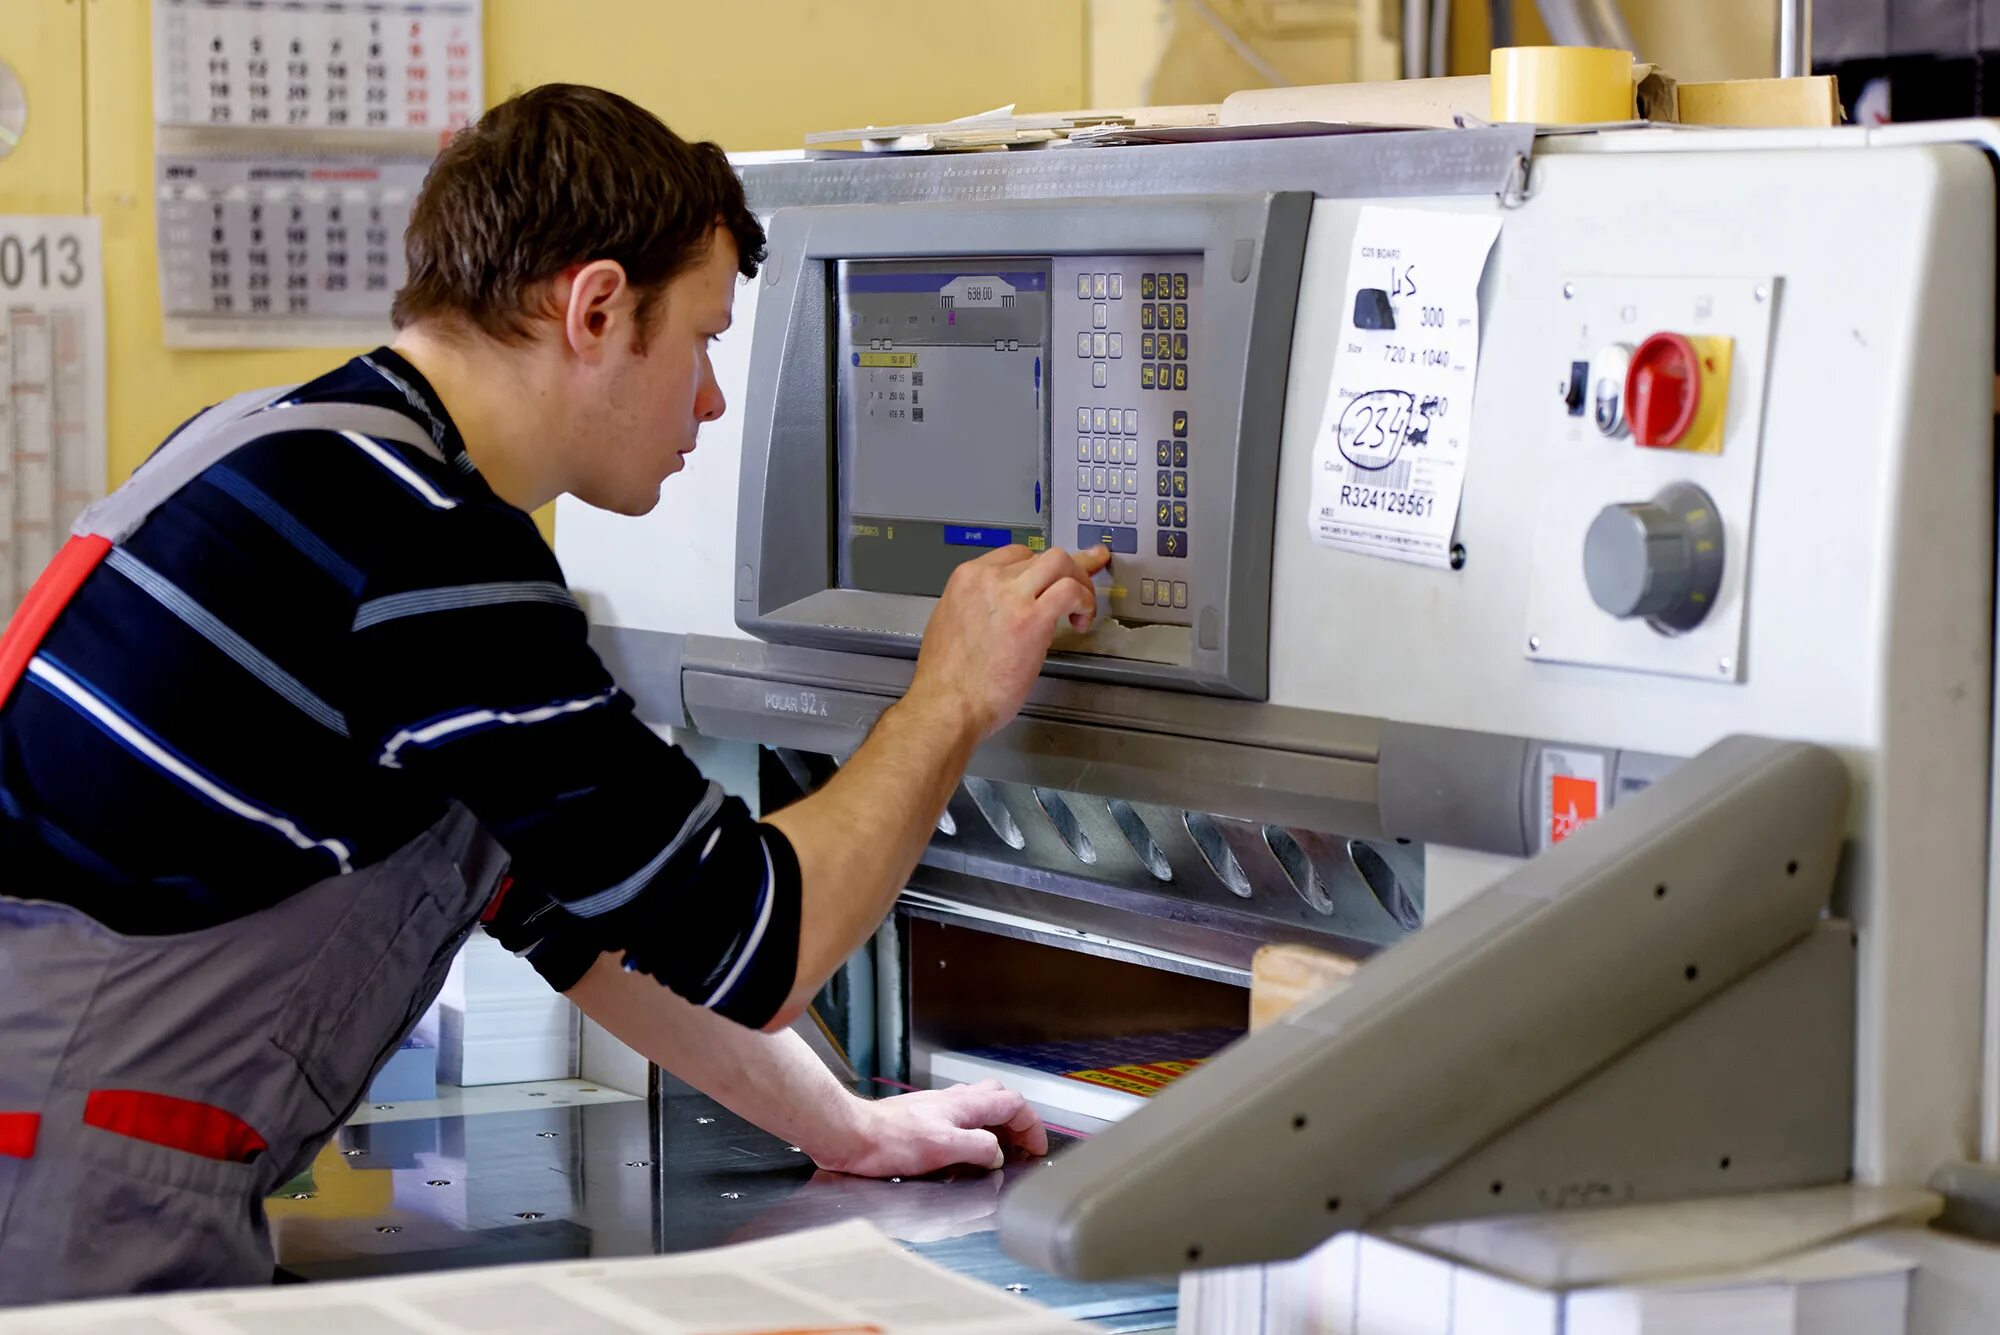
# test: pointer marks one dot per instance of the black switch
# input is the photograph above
(1372, 309)
(1577, 390)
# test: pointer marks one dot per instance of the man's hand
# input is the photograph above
(986, 640)
(913, 1134)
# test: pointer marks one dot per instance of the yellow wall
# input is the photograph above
(43, 42)
(749, 73)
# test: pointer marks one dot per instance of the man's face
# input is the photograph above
(651, 401)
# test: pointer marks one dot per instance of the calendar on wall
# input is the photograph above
(52, 441)
(301, 249)
(317, 64)
(291, 138)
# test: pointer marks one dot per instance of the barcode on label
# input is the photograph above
(1396, 477)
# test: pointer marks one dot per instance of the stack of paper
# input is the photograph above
(1099, 1079)
(499, 1023)
(845, 1279)
(1774, 1263)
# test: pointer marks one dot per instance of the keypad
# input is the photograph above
(1115, 498)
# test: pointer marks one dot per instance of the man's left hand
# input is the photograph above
(914, 1134)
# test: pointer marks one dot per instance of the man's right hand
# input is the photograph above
(990, 632)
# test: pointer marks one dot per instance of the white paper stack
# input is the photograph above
(846, 1277)
(499, 1023)
(1366, 1285)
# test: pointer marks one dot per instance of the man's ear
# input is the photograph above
(599, 303)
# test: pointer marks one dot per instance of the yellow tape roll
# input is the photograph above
(1562, 85)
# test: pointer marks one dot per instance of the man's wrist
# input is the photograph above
(944, 713)
(845, 1134)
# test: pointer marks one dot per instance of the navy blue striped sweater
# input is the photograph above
(299, 660)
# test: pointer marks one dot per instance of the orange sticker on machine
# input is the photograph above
(1573, 804)
(1572, 790)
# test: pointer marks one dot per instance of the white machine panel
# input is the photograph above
(1589, 471)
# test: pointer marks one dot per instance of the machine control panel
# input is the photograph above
(1653, 474)
(931, 382)
(1133, 382)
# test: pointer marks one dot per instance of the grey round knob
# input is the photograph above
(1660, 560)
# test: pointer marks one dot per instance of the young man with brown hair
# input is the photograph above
(307, 698)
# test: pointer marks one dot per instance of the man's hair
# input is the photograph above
(556, 177)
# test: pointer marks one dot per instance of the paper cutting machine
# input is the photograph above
(1759, 962)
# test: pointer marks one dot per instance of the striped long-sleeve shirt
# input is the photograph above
(300, 659)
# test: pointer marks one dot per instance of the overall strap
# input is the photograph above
(206, 440)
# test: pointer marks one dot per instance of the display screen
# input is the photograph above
(942, 416)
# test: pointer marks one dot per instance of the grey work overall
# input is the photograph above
(153, 1090)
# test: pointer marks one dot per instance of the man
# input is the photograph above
(307, 697)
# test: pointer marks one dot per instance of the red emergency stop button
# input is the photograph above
(1662, 390)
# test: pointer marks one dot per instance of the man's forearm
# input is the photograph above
(858, 838)
(773, 1080)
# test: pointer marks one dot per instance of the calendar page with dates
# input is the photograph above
(291, 139)
(51, 388)
(317, 64)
